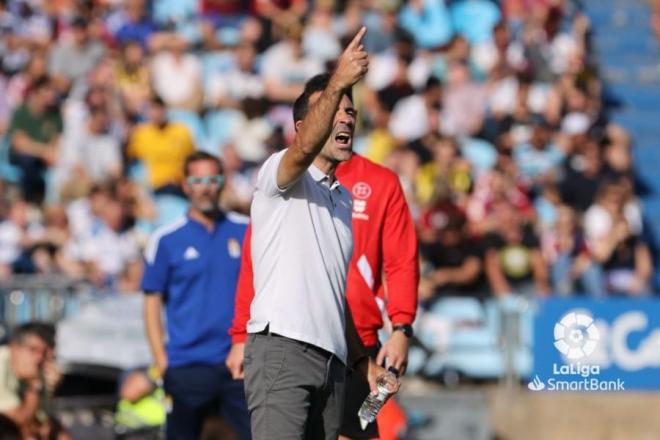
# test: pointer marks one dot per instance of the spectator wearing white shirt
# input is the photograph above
(613, 231)
(16, 238)
(227, 89)
(177, 76)
(109, 251)
(286, 67)
(464, 102)
(90, 156)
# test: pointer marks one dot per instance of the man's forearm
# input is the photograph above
(317, 124)
(154, 327)
(313, 131)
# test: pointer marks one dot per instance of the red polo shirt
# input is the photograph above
(384, 261)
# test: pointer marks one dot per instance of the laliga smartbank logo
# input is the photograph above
(576, 337)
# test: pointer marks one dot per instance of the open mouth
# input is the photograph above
(343, 138)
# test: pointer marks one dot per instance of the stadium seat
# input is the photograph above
(8, 172)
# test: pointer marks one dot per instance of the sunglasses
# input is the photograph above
(206, 180)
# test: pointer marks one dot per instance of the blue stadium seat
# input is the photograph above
(166, 11)
(193, 122)
(169, 208)
(8, 172)
(219, 128)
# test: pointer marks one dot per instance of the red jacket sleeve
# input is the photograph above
(400, 263)
(244, 293)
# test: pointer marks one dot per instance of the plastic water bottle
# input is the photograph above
(386, 383)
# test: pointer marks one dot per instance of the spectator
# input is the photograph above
(319, 38)
(464, 100)
(28, 376)
(513, 260)
(447, 171)
(286, 68)
(566, 251)
(50, 241)
(23, 81)
(428, 21)
(538, 160)
(613, 230)
(16, 235)
(583, 178)
(73, 57)
(162, 147)
(91, 156)
(135, 24)
(84, 213)
(177, 75)
(133, 78)
(227, 89)
(452, 263)
(475, 19)
(34, 132)
(106, 255)
(280, 14)
(413, 117)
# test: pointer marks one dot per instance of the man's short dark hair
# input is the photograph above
(39, 84)
(198, 156)
(44, 331)
(315, 84)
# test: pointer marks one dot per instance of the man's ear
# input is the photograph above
(297, 125)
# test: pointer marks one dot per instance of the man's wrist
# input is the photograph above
(35, 386)
(335, 86)
(405, 329)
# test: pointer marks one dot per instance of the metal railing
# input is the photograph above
(48, 298)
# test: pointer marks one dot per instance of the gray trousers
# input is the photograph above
(294, 390)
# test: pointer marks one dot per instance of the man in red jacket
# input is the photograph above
(385, 243)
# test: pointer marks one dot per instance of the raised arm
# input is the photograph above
(315, 128)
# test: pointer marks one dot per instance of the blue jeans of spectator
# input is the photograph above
(33, 185)
(592, 280)
(198, 391)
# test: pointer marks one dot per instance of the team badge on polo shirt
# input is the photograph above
(191, 253)
(233, 248)
(361, 192)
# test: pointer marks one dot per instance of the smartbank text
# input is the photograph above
(587, 383)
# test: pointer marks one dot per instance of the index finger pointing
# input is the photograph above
(357, 39)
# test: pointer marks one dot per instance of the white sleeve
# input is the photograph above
(267, 177)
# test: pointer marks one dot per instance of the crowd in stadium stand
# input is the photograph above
(492, 114)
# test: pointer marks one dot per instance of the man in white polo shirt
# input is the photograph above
(301, 334)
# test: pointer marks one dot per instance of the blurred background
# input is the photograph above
(524, 134)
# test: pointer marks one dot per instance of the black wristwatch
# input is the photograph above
(405, 328)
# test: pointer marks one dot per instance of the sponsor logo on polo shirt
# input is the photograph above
(359, 206)
(191, 253)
